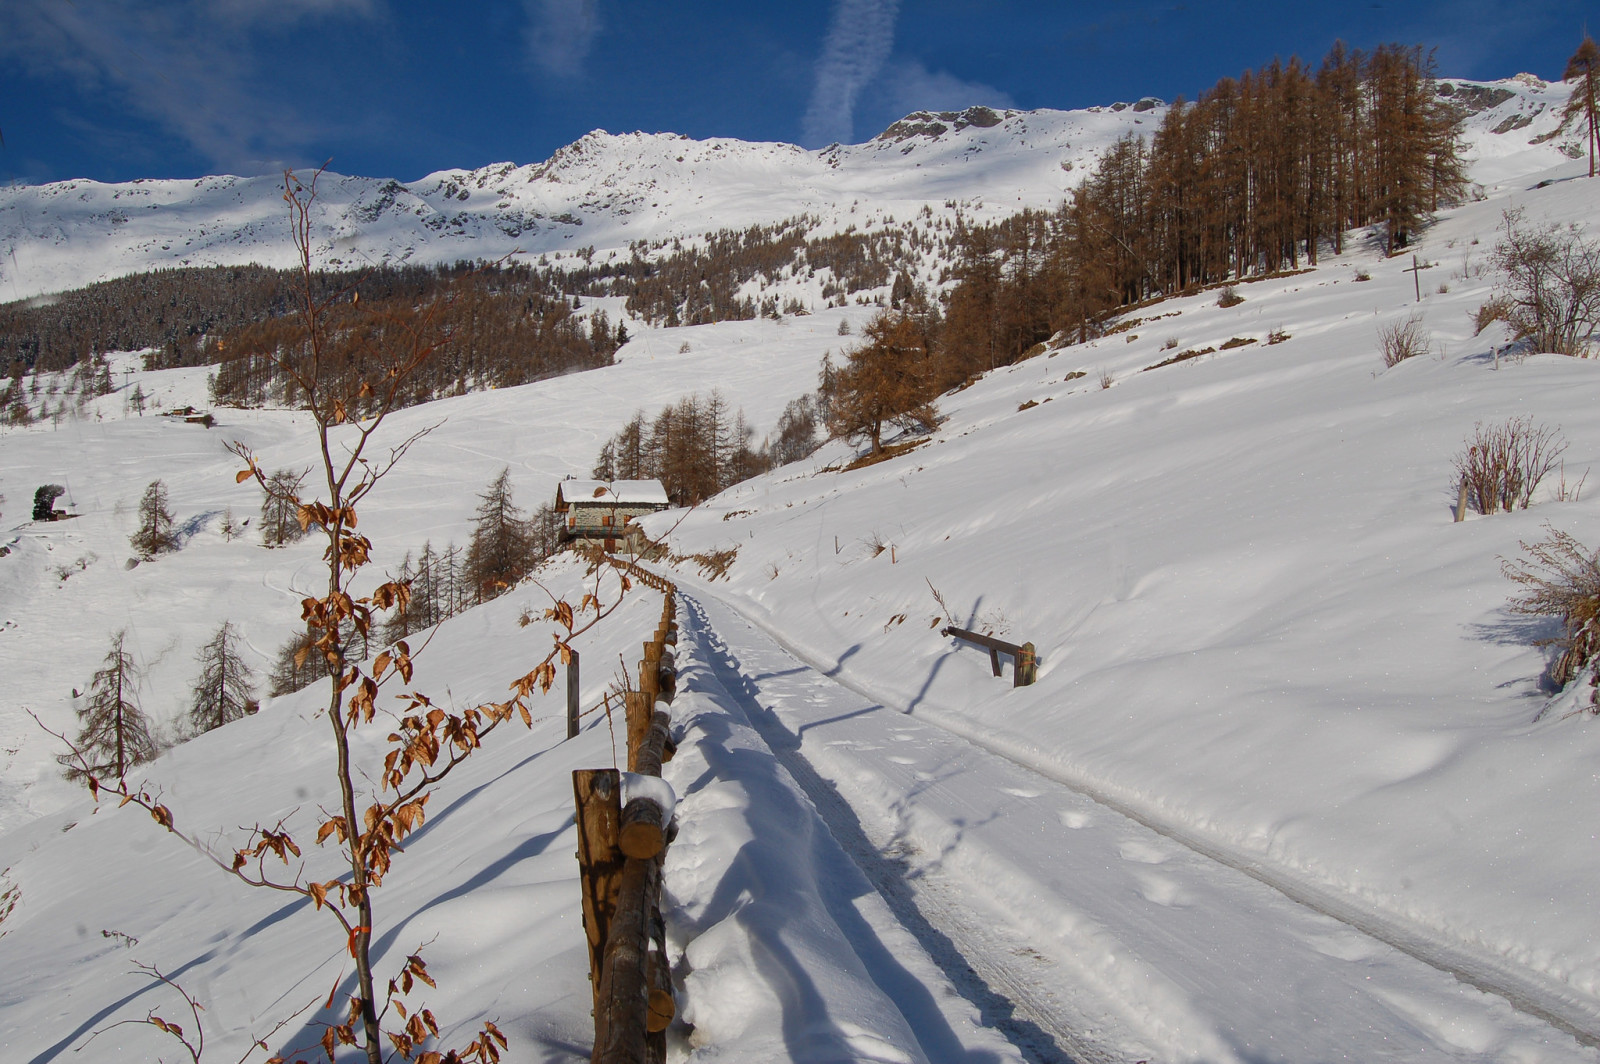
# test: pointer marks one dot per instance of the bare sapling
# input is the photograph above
(1504, 464)
(376, 805)
(1403, 340)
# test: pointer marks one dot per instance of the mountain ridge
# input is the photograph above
(607, 191)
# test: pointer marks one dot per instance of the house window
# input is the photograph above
(606, 520)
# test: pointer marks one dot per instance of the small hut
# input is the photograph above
(602, 513)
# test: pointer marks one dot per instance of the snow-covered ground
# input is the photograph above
(1259, 629)
(1284, 789)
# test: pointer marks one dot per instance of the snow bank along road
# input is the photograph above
(1076, 932)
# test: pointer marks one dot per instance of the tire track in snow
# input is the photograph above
(1004, 994)
(1525, 990)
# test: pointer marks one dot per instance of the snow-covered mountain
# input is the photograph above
(606, 190)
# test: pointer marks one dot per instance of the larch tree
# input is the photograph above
(280, 507)
(501, 552)
(113, 732)
(887, 380)
(224, 690)
(1584, 103)
(154, 534)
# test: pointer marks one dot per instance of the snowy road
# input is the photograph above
(1075, 932)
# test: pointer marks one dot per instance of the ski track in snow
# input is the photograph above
(1081, 929)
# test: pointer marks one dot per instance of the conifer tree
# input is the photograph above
(44, 501)
(427, 591)
(403, 618)
(224, 690)
(1584, 103)
(114, 734)
(887, 380)
(154, 534)
(280, 508)
(500, 553)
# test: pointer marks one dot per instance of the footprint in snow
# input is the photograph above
(1159, 890)
(1143, 852)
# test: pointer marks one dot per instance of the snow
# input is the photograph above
(1288, 786)
(651, 789)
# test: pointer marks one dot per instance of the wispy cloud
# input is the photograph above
(189, 66)
(860, 38)
(909, 86)
(560, 34)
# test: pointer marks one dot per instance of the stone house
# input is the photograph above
(602, 513)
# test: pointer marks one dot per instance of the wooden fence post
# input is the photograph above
(1026, 669)
(638, 706)
(599, 802)
(572, 695)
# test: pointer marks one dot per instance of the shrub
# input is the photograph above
(1503, 464)
(1230, 297)
(1403, 340)
(1550, 294)
(1561, 578)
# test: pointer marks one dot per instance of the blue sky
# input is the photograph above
(119, 89)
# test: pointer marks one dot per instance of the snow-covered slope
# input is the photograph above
(1259, 628)
(605, 191)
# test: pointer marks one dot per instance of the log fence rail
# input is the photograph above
(620, 853)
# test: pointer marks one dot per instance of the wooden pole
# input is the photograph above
(639, 706)
(572, 696)
(599, 795)
(1026, 669)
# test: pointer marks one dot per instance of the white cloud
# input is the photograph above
(860, 38)
(560, 34)
(909, 86)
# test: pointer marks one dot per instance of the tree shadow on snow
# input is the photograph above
(886, 874)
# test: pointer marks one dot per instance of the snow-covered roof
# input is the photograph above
(616, 493)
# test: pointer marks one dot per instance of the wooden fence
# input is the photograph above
(620, 852)
(1025, 660)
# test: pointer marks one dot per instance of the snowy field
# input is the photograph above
(1288, 788)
